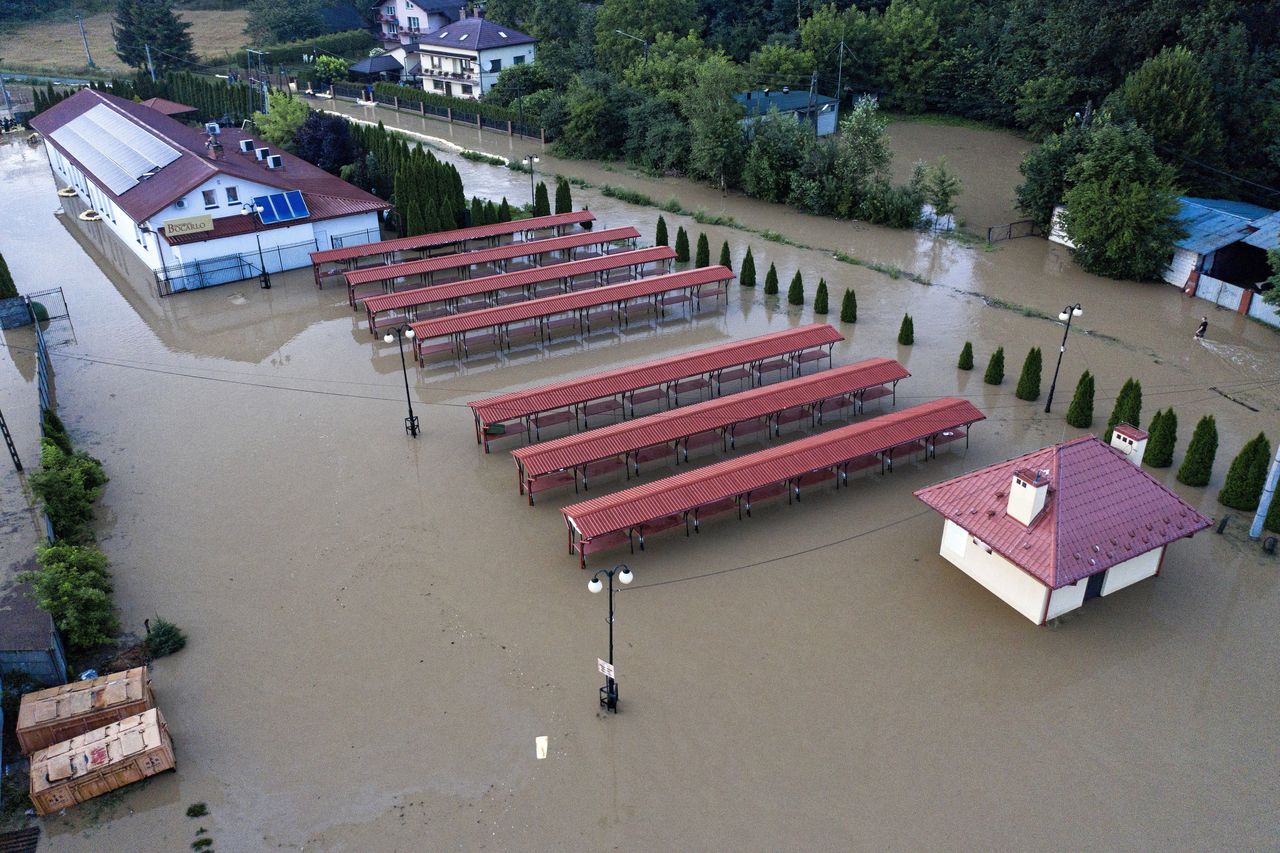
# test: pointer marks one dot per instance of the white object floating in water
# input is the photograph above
(540, 744)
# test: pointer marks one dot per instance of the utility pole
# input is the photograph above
(1268, 495)
(813, 93)
(4, 92)
(839, 79)
(150, 65)
(85, 40)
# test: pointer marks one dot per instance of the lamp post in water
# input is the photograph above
(529, 160)
(254, 211)
(609, 693)
(398, 334)
(1067, 314)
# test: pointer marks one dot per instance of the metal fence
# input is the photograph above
(347, 91)
(1014, 230)
(211, 272)
(355, 238)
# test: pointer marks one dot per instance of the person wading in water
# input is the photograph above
(1203, 327)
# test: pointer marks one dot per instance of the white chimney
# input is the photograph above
(1027, 495)
(1130, 441)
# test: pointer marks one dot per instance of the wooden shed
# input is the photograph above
(100, 761)
(60, 713)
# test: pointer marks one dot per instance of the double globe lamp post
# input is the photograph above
(254, 211)
(398, 334)
(609, 693)
(1067, 315)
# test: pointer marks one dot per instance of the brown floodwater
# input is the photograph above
(380, 628)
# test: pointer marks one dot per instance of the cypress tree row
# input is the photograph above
(564, 200)
(995, 368)
(1029, 381)
(1128, 407)
(1163, 435)
(504, 211)
(966, 357)
(703, 257)
(747, 278)
(660, 238)
(477, 211)
(1197, 467)
(1080, 412)
(725, 260)
(795, 293)
(849, 307)
(820, 298)
(771, 280)
(682, 246)
(491, 213)
(541, 206)
(907, 331)
(1247, 475)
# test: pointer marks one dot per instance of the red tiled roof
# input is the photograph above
(1101, 510)
(597, 386)
(194, 166)
(167, 107)
(422, 242)
(639, 505)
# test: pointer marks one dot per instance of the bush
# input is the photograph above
(165, 638)
(1128, 407)
(1163, 431)
(1080, 412)
(966, 357)
(660, 238)
(1197, 467)
(67, 485)
(771, 280)
(995, 368)
(747, 278)
(1247, 475)
(820, 297)
(1272, 521)
(466, 106)
(55, 431)
(907, 331)
(8, 289)
(703, 256)
(1029, 381)
(849, 307)
(795, 293)
(564, 196)
(725, 259)
(682, 246)
(73, 585)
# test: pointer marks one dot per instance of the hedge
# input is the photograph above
(462, 105)
(345, 43)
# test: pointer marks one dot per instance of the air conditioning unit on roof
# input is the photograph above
(261, 153)
(275, 161)
(212, 128)
(246, 146)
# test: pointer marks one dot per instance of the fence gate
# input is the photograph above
(1014, 230)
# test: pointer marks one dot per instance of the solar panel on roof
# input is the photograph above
(112, 148)
(297, 204)
(281, 207)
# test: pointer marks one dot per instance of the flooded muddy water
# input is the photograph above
(380, 628)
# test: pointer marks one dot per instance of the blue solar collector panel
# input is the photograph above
(281, 207)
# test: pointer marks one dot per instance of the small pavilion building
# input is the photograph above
(1054, 528)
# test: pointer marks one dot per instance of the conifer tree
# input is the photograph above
(747, 278)
(1029, 381)
(703, 256)
(820, 297)
(966, 357)
(1080, 412)
(660, 238)
(995, 368)
(682, 246)
(725, 259)
(1272, 520)
(541, 206)
(564, 200)
(490, 213)
(1197, 467)
(8, 289)
(477, 211)
(849, 307)
(1247, 475)
(413, 220)
(1162, 436)
(907, 331)
(1127, 409)
(142, 22)
(771, 280)
(504, 211)
(795, 293)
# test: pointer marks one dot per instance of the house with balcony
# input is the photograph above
(465, 58)
(401, 22)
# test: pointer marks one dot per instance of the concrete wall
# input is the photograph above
(1011, 584)
(1180, 268)
(1259, 310)
(1131, 571)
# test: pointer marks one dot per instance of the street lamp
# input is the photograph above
(637, 38)
(1068, 313)
(609, 693)
(253, 210)
(530, 160)
(399, 333)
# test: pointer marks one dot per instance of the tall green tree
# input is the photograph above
(1247, 475)
(660, 237)
(1080, 412)
(643, 19)
(541, 204)
(682, 246)
(995, 368)
(152, 22)
(941, 188)
(504, 211)
(966, 357)
(8, 289)
(1162, 436)
(747, 278)
(907, 331)
(715, 151)
(285, 116)
(909, 45)
(1127, 408)
(1170, 97)
(771, 280)
(820, 298)
(725, 259)
(564, 197)
(1121, 205)
(702, 258)
(1029, 381)
(1197, 465)
(281, 21)
(1044, 172)
(795, 293)
(849, 307)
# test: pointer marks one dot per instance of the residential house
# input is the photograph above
(400, 22)
(1054, 528)
(821, 112)
(176, 196)
(465, 58)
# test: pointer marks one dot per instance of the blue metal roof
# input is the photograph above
(1214, 223)
(759, 102)
(1268, 234)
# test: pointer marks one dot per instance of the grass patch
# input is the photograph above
(629, 196)
(946, 120)
(517, 166)
(702, 217)
(673, 205)
(197, 810)
(481, 157)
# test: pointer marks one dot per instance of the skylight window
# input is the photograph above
(501, 33)
(463, 37)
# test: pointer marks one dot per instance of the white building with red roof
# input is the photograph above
(1053, 528)
(175, 195)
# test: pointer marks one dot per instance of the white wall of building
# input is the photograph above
(478, 65)
(1011, 584)
(1180, 268)
(1057, 231)
(142, 245)
(1131, 571)
(506, 57)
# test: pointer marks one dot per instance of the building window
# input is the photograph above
(519, 60)
(437, 84)
(389, 11)
(495, 65)
(413, 25)
(210, 198)
(233, 195)
(466, 88)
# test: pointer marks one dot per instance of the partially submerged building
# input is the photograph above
(819, 111)
(1054, 528)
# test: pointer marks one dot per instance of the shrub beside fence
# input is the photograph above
(453, 110)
